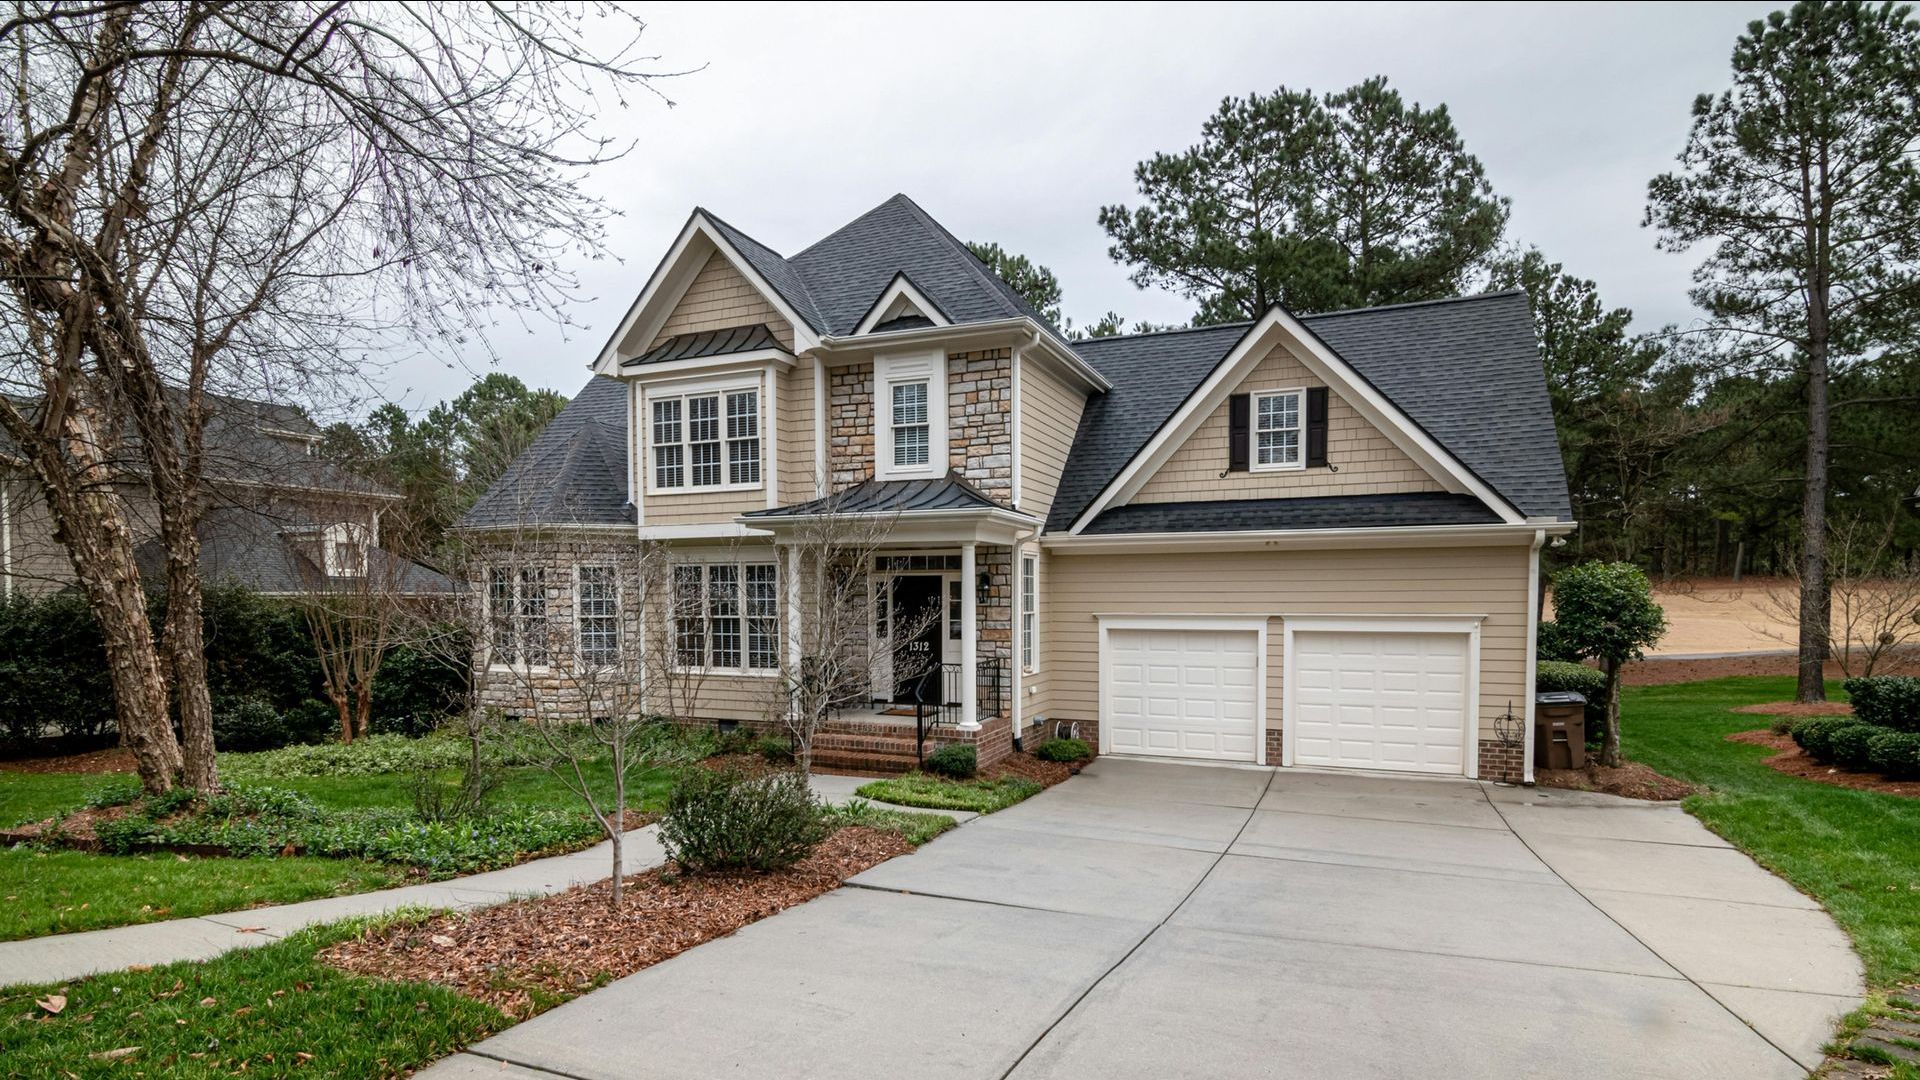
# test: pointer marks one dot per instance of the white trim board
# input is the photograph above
(1277, 328)
(900, 293)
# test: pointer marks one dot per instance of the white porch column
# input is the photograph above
(969, 641)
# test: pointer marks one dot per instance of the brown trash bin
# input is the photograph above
(1559, 730)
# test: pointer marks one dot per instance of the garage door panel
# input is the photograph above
(1379, 700)
(1193, 694)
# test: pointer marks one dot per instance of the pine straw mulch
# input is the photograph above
(526, 956)
(1797, 708)
(1631, 780)
(1026, 766)
(1788, 758)
(115, 760)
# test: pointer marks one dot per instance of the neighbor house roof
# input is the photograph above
(1466, 371)
(575, 473)
(949, 492)
(1319, 512)
(249, 549)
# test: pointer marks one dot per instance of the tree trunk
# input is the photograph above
(1610, 744)
(185, 639)
(1816, 598)
(362, 708)
(616, 834)
(343, 706)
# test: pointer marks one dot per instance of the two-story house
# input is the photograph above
(1299, 540)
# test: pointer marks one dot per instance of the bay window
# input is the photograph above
(726, 616)
(517, 615)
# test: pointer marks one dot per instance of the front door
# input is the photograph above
(918, 631)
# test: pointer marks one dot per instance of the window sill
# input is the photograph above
(710, 489)
(1277, 468)
(730, 673)
(520, 669)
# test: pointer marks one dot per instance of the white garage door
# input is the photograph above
(1379, 701)
(1181, 693)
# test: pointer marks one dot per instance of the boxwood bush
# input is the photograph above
(1821, 737)
(1064, 750)
(1848, 745)
(956, 761)
(1552, 675)
(1896, 753)
(722, 819)
(1891, 701)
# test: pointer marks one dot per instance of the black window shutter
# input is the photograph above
(1237, 422)
(1316, 427)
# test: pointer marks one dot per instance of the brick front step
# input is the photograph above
(867, 751)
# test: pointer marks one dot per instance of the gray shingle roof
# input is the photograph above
(950, 492)
(1467, 371)
(245, 548)
(1324, 512)
(575, 473)
(734, 339)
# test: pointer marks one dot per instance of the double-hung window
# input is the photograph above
(1276, 429)
(706, 441)
(912, 432)
(517, 615)
(597, 612)
(727, 616)
(1029, 610)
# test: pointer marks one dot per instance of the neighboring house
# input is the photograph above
(280, 519)
(1302, 540)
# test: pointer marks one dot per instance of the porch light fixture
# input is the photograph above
(982, 587)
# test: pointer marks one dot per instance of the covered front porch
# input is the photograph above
(938, 564)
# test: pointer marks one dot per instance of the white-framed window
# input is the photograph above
(726, 616)
(1278, 429)
(910, 406)
(910, 430)
(517, 615)
(597, 616)
(1029, 611)
(707, 440)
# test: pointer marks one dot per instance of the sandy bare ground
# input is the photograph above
(1715, 616)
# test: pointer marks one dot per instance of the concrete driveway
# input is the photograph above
(1158, 920)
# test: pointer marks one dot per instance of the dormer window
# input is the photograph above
(706, 441)
(1276, 429)
(910, 396)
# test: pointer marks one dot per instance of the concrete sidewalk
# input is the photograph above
(70, 956)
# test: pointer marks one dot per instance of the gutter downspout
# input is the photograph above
(1533, 648)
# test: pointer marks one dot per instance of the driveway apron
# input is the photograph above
(1156, 920)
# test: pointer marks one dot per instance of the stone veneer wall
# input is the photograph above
(980, 420)
(849, 425)
(557, 691)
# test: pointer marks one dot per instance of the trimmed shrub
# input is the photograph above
(1815, 735)
(1550, 675)
(1064, 750)
(1891, 701)
(1849, 745)
(775, 750)
(1552, 643)
(720, 819)
(1896, 753)
(956, 761)
(249, 724)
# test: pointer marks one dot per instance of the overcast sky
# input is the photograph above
(1017, 123)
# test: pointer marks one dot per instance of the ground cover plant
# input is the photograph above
(980, 795)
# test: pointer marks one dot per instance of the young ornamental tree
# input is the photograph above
(1606, 611)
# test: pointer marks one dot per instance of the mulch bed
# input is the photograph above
(1798, 708)
(116, 760)
(1663, 671)
(1631, 780)
(73, 830)
(528, 955)
(1044, 773)
(1788, 758)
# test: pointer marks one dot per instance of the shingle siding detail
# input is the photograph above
(720, 299)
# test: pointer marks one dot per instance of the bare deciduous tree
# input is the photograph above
(204, 197)
(1875, 592)
(353, 604)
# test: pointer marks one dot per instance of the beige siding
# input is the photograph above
(1490, 582)
(1368, 462)
(796, 426)
(719, 298)
(1049, 415)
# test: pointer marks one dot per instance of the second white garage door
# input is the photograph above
(1181, 693)
(1395, 701)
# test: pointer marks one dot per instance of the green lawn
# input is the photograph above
(267, 1011)
(45, 892)
(935, 793)
(1856, 852)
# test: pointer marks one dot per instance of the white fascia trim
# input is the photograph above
(1055, 349)
(1254, 624)
(1296, 539)
(1005, 517)
(669, 282)
(707, 365)
(901, 286)
(1468, 625)
(706, 530)
(536, 531)
(1275, 328)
